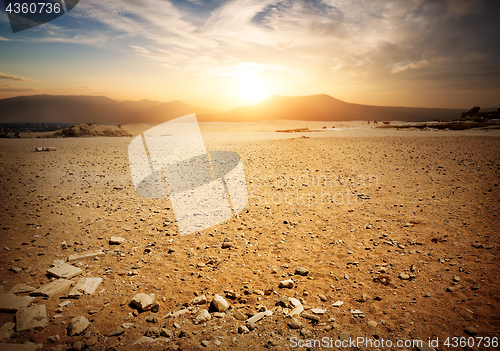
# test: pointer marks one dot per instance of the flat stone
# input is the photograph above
(322, 297)
(310, 316)
(337, 304)
(296, 310)
(372, 324)
(202, 317)
(117, 331)
(85, 286)
(91, 341)
(239, 315)
(142, 340)
(116, 240)
(425, 347)
(318, 311)
(356, 312)
(78, 325)
(286, 284)
(29, 346)
(199, 300)
(243, 329)
(219, 303)
(31, 318)
(451, 289)
(259, 316)
(471, 331)
(142, 301)
(12, 303)
(404, 276)
(52, 288)
(227, 244)
(293, 323)
(21, 288)
(301, 271)
(85, 255)
(293, 302)
(65, 271)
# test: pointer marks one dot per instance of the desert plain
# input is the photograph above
(386, 235)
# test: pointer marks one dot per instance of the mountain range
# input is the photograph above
(99, 109)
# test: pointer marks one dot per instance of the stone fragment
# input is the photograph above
(52, 288)
(91, 341)
(296, 310)
(34, 317)
(85, 286)
(423, 346)
(227, 244)
(404, 276)
(142, 301)
(199, 300)
(12, 303)
(78, 325)
(85, 255)
(322, 297)
(29, 346)
(205, 343)
(286, 284)
(293, 323)
(456, 278)
(219, 303)
(451, 289)
(142, 340)
(65, 271)
(153, 332)
(372, 324)
(356, 312)
(243, 330)
(301, 271)
(117, 332)
(116, 240)
(202, 317)
(259, 316)
(471, 331)
(293, 302)
(152, 318)
(21, 288)
(318, 311)
(239, 315)
(310, 316)
(337, 304)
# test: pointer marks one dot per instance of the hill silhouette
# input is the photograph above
(99, 109)
(326, 108)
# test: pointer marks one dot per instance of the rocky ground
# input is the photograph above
(386, 238)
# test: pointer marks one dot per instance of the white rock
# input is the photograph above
(219, 303)
(202, 317)
(337, 304)
(142, 301)
(78, 325)
(31, 318)
(286, 284)
(318, 311)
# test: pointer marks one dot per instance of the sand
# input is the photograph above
(356, 207)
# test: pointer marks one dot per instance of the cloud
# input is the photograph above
(21, 79)
(4, 39)
(13, 89)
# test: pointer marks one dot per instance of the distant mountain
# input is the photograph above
(99, 109)
(326, 108)
(86, 109)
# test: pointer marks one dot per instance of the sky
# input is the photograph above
(224, 54)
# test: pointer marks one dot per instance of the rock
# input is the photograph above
(363, 298)
(243, 330)
(65, 271)
(471, 331)
(372, 324)
(78, 325)
(85, 286)
(258, 317)
(31, 318)
(337, 304)
(425, 347)
(286, 284)
(142, 301)
(293, 302)
(199, 300)
(451, 289)
(239, 315)
(142, 340)
(310, 316)
(155, 308)
(153, 332)
(205, 343)
(85, 255)
(318, 311)
(296, 310)
(117, 331)
(293, 323)
(219, 303)
(77, 346)
(52, 288)
(29, 346)
(301, 271)
(355, 312)
(12, 303)
(322, 297)
(456, 278)
(475, 287)
(7, 330)
(202, 317)
(404, 276)
(21, 288)
(91, 341)
(116, 240)
(152, 318)
(227, 244)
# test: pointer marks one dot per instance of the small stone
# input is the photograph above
(404, 276)
(337, 304)
(142, 301)
(31, 318)
(254, 319)
(52, 288)
(456, 278)
(372, 324)
(318, 311)
(202, 317)
(116, 240)
(199, 300)
(239, 315)
(301, 271)
(310, 316)
(205, 343)
(85, 255)
(21, 288)
(451, 289)
(155, 308)
(293, 323)
(322, 297)
(12, 303)
(242, 329)
(118, 331)
(470, 331)
(227, 244)
(77, 346)
(91, 341)
(153, 332)
(85, 286)
(286, 284)
(166, 333)
(475, 287)
(152, 318)
(363, 298)
(219, 303)
(78, 325)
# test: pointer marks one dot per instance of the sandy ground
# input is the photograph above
(416, 252)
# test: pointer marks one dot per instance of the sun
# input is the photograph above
(251, 88)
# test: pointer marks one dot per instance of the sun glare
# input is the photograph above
(252, 89)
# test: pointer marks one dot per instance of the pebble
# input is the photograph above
(337, 304)
(78, 325)
(91, 341)
(205, 343)
(301, 271)
(202, 317)
(199, 300)
(286, 284)
(116, 240)
(310, 316)
(471, 331)
(293, 323)
(118, 331)
(451, 289)
(219, 303)
(322, 297)
(372, 324)
(142, 301)
(239, 315)
(243, 330)
(318, 311)
(404, 276)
